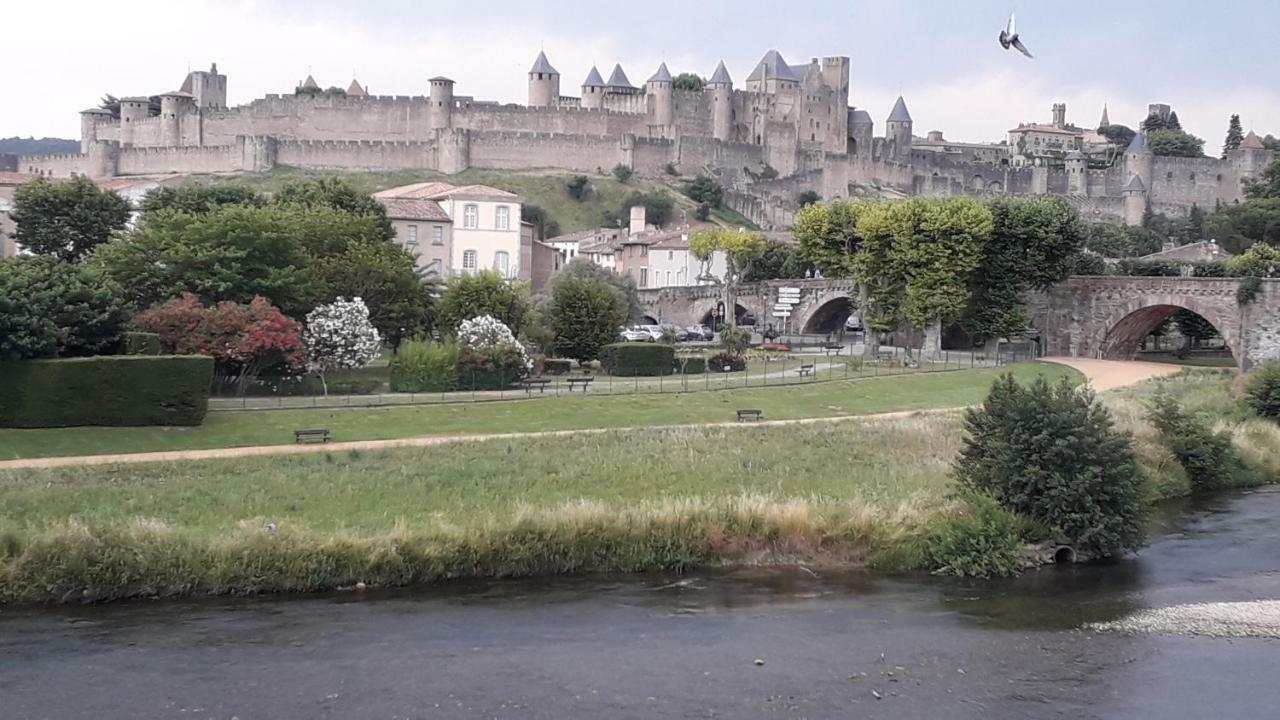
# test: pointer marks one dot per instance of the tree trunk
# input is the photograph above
(870, 338)
(931, 347)
(991, 349)
(324, 384)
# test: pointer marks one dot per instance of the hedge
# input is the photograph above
(629, 359)
(424, 366)
(557, 366)
(727, 362)
(120, 390)
(691, 364)
(139, 343)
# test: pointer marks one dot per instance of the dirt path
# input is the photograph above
(1104, 375)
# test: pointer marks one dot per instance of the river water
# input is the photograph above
(832, 645)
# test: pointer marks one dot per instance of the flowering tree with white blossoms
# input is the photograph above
(490, 353)
(339, 335)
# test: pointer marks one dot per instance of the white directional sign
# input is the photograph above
(782, 313)
(788, 291)
(783, 306)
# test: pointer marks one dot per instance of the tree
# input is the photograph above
(1266, 186)
(196, 199)
(485, 293)
(657, 207)
(807, 198)
(1113, 241)
(1262, 394)
(338, 336)
(1174, 143)
(828, 237)
(1237, 227)
(1258, 261)
(623, 286)
(578, 186)
(1119, 135)
(585, 316)
(779, 261)
(705, 190)
(67, 219)
(1235, 136)
(1271, 142)
(1193, 230)
(242, 339)
(690, 82)
(338, 194)
(735, 340)
(740, 249)
(543, 226)
(1155, 121)
(1052, 454)
(401, 301)
(489, 354)
(622, 173)
(50, 308)
(1194, 328)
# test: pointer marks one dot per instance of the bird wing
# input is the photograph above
(1010, 29)
(1022, 48)
(1004, 40)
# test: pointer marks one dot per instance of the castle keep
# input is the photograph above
(786, 130)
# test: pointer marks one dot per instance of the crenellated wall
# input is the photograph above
(158, 160)
(357, 154)
(519, 150)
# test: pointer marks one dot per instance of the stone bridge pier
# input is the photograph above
(824, 304)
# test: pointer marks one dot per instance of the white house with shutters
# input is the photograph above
(482, 233)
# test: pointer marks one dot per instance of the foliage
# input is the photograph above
(727, 362)
(657, 207)
(50, 308)
(828, 236)
(66, 219)
(1248, 291)
(1262, 394)
(1258, 261)
(1155, 122)
(585, 316)
(244, 340)
(1032, 245)
(689, 81)
(400, 299)
(1193, 326)
(624, 286)
(557, 366)
(339, 195)
(807, 198)
(1266, 186)
(1237, 227)
(702, 212)
(579, 186)
(622, 173)
(691, 364)
(704, 190)
(628, 359)
(1120, 135)
(983, 541)
(1088, 263)
(1235, 136)
(1174, 143)
(779, 261)
(671, 169)
(741, 249)
(1053, 455)
(734, 339)
(139, 343)
(482, 294)
(339, 336)
(195, 199)
(425, 366)
(122, 390)
(490, 355)
(1208, 457)
(543, 226)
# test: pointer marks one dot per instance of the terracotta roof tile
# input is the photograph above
(414, 209)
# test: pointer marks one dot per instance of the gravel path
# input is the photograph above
(1252, 619)
(1107, 375)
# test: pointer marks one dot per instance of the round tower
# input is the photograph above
(1059, 115)
(132, 110)
(1139, 161)
(1135, 201)
(721, 104)
(544, 83)
(897, 130)
(1077, 173)
(661, 88)
(593, 90)
(441, 103)
(89, 120)
(173, 106)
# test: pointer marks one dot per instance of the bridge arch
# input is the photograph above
(826, 314)
(1120, 335)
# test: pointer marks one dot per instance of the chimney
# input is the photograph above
(637, 219)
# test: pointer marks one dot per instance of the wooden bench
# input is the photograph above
(833, 348)
(745, 415)
(806, 370)
(531, 383)
(882, 357)
(317, 435)
(585, 382)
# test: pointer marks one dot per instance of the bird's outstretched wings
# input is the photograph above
(1022, 48)
(1011, 29)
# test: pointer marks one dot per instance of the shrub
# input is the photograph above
(983, 541)
(340, 336)
(623, 173)
(691, 364)
(425, 366)
(490, 358)
(585, 314)
(1209, 458)
(51, 308)
(1248, 291)
(734, 339)
(628, 359)
(578, 186)
(557, 366)
(118, 390)
(1053, 455)
(485, 293)
(702, 212)
(1263, 392)
(704, 190)
(670, 169)
(727, 362)
(139, 343)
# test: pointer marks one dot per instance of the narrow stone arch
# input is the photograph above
(821, 308)
(1121, 333)
(977, 183)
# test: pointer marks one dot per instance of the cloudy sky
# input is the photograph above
(1208, 60)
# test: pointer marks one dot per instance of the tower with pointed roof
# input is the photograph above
(1105, 122)
(593, 90)
(1139, 161)
(1135, 201)
(544, 83)
(355, 89)
(619, 84)
(661, 89)
(721, 86)
(898, 131)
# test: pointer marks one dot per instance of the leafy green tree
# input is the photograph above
(543, 226)
(485, 293)
(1113, 241)
(585, 316)
(1155, 122)
(741, 250)
(690, 82)
(1238, 227)
(578, 186)
(622, 173)
(1258, 261)
(338, 194)
(623, 286)
(400, 299)
(1271, 142)
(1119, 135)
(1174, 143)
(1235, 136)
(657, 207)
(197, 199)
(1194, 328)
(1052, 454)
(1194, 228)
(779, 261)
(705, 190)
(66, 219)
(828, 237)
(50, 308)
(1266, 186)
(807, 198)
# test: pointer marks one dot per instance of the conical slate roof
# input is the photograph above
(861, 117)
(1135, 185)
(593, 79)
(900, 113)
(1138, 146)
(618, 79)
(541, 65)
(310, 83)
(772, 65)
(662, 75)
(721, 76)
(355, 89)
(1252, 142)
(1106, 119)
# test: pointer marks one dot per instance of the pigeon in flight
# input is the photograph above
(1009, 38)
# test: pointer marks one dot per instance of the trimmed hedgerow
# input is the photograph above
(139, 343)
(632, 359)
(691, 364)
(557, 366)
(119, 390)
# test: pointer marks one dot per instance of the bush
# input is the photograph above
(139, 343)
(734, 339)
(691, 364)
(557, 366)
(578, 186)
(984, 541)
(484, 293)
(52, 308)
(118, 390)
(629, 359)
(1248, 291)
(623, 173)
(1209, 458)
(1263, 392)
(727, 362)
(704, 190)
(1053, 455)
(670, 169)
(489, 358)
(424, 366)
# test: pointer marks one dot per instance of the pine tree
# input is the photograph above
(1235, 136)
(1173, 123)
(1195, 224)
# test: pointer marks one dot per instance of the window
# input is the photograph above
(469, 261)
(470, 216)
(671, 254)
(501, 262)
(437, 234)
(644, 277)
(504, 217)
(412, 238)
(668, 277)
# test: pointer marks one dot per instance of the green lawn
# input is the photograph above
(224, 429)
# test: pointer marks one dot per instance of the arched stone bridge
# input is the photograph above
(1099, 317)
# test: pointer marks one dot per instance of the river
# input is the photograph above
(832, 645)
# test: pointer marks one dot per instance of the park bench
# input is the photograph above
(585, 382)
(531, 383)
(316, 435)
(883, 357)
(806, 370)
(745, 415)
(833, 348)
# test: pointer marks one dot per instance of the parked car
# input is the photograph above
(636, 335)
(700, 332)
(853, 323)
(655, 331)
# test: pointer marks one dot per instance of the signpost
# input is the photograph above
(788, 298)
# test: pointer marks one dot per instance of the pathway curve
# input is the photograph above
(1104, 375)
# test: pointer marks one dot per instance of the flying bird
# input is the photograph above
(1009, 38)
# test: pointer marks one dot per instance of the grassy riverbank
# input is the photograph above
(854, 397)
(656, 499)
